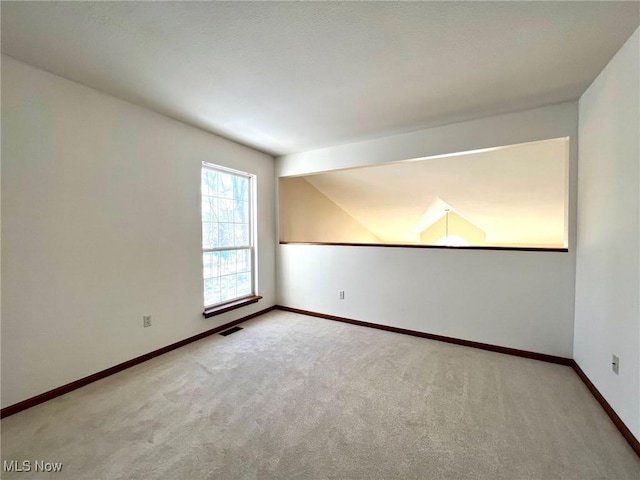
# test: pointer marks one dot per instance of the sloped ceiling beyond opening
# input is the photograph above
(287, 77)
(516, 194)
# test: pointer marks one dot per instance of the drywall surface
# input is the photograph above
(607, 318)
(100, 226)
(510, 298)
(457, 293)
(306, 215)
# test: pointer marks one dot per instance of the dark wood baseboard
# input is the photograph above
(617, 421)
(467, 343)
(56, 392)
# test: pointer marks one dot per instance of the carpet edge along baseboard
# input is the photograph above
(617, 421)
(56, 392)
(467, 343)
(569, 362)
(69, 387)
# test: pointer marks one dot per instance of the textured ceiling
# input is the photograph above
(287, 77)
(516, 194)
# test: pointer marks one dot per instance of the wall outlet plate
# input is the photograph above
(146, 321)
(615, 364)
(341, 294)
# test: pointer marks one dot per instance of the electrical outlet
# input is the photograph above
(615, 364)
(146, 321)
(341, 295)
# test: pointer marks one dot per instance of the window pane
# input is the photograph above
(227, 262)
(225, 235)
(225, 210)
(243, 261)
(207, 214)
(209, 181)
(211, 291)
(241, 212)
(241, 235)
(210, 265)
(241, 189)
(209, 234)
(225, 185)
(227, 287)
(214, 207)
(243, 284)
(206, 265)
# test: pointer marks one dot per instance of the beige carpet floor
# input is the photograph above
(295, 397)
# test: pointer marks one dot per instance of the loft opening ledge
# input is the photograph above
(447, 247)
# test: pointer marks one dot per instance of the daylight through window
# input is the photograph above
(227, 235)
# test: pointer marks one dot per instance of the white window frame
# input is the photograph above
(209, 308)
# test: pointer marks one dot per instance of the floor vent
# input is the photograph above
(230, 331)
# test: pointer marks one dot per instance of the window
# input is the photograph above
(227, 239)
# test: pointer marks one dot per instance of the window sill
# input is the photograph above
(226, 307)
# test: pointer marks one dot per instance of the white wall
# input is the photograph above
(101, 225)
(607, 319)
(521, 300)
